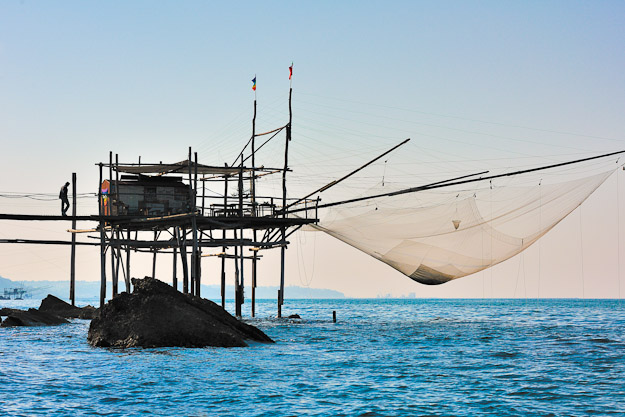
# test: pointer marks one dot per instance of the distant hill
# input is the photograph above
(91, 289)
(6, 283)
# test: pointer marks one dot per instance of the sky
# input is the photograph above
(475, 85)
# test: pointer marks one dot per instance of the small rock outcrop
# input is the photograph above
(32, 317)
(157, 315)
(58, 307)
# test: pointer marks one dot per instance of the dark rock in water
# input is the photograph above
(7, 311)
(31, 317)
(156, 314)
(54, 305)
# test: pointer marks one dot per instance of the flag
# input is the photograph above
(291, 71)
(254, 85)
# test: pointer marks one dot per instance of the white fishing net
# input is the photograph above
(439, 235)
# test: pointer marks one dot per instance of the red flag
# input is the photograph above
(291, 71)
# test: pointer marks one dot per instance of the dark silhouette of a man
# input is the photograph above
(64, 200)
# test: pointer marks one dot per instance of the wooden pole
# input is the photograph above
(283, 230)
(253, 191)
(114, 269)
(240, 283)
(237, 304)
(183, 257)
(118, 259)
(102, 246)
(174, 282)
(223, 248)
(194, 258)
(196, 248)
(110, 212)
(72, 274)
(128, 265)
(154, 255)
(118, 253)
(254, 282)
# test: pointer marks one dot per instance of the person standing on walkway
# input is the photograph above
(64, 200)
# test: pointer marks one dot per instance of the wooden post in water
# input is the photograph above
(241, 284)
(283, 230)
(237, 304)
(254, 281)
(72, 274)
(223, 248)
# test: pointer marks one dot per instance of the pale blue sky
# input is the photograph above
(78, 79)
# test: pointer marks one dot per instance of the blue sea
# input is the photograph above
(402, 357)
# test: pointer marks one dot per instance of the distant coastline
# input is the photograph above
(91, 289)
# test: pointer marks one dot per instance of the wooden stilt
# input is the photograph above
(154, 256)
(102, 246)
(237, 301)
(283, 230)
(127, 278)
(223, 248)
(118, 259)
(198, 249)
(254, 283)
(113, 268)
(175, 265)
(194, 259)
(253, 192)
(72, 274)
(242, 285)
(183, 257)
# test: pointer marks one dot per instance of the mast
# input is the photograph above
(253, 191)
(283, 229)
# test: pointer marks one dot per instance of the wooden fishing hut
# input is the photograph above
(163, 209)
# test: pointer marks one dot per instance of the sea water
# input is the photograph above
(381, 358)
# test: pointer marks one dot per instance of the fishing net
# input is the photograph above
(435, 236)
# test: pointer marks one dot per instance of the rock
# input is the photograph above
(156, 315)
(32, 317)
(54, 305)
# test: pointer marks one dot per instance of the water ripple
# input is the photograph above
(383, 358)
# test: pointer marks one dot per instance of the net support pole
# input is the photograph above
(283, 229)
(253, 191)
(72, 274)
